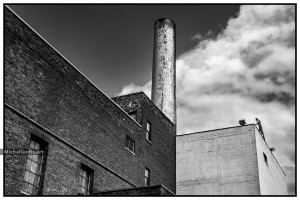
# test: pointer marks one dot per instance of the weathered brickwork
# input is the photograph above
(227, 161)
(160, 156)
(272, 179)
(43, 86)
(62, 165)
(157, 190)
(164, 67)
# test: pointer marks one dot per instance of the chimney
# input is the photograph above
(164, 72)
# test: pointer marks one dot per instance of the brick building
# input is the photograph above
(126, 145)
(91, 144)
(228, 161)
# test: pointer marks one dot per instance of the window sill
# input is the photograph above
(24, 193)
(130, 151)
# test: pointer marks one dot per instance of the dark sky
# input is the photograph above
(112, 44)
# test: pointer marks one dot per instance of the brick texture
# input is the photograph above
(43, 86)
(158, 190)
(62, 166)
(159, 155)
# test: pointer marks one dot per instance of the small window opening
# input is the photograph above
(130, 144)
(266, 159)
(147, 176)
(149, 132)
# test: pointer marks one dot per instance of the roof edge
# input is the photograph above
(214, 130)
(71, 64)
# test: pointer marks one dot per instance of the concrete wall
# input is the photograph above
(271, 177)
(218, 162)
(47, 89)
(160, 154)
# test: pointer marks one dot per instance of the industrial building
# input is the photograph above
(228, 161)
(90, 144)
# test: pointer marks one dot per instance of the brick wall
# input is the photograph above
(43, 86)
(218, 162)
(62, 165)
(159, 155)
(157, 190)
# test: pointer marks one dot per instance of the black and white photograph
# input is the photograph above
(149, 99)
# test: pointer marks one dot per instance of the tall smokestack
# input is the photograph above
(164, 73)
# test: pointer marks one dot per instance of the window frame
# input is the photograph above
(149, 133)
(147, 177)
(128, 143)
(41, 164)
(89, 178)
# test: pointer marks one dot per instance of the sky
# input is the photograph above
(233, 62)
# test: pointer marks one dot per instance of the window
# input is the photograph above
(133, 115)
(130, 145)
(33, 169)
(147, 176)
(148, 132)
(266, 159)
(85, 179)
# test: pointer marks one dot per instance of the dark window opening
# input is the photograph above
(266, 159)
(130, 144)
(149, 132)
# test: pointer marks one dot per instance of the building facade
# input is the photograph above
(81, 142)
(89, 143)
(228, 161)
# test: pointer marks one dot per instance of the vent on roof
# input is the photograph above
(242, 122)
(272, 149)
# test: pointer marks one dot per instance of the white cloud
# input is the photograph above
(247, 71)
(132, 88)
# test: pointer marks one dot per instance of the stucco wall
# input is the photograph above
(271, 177)
(218, 162)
